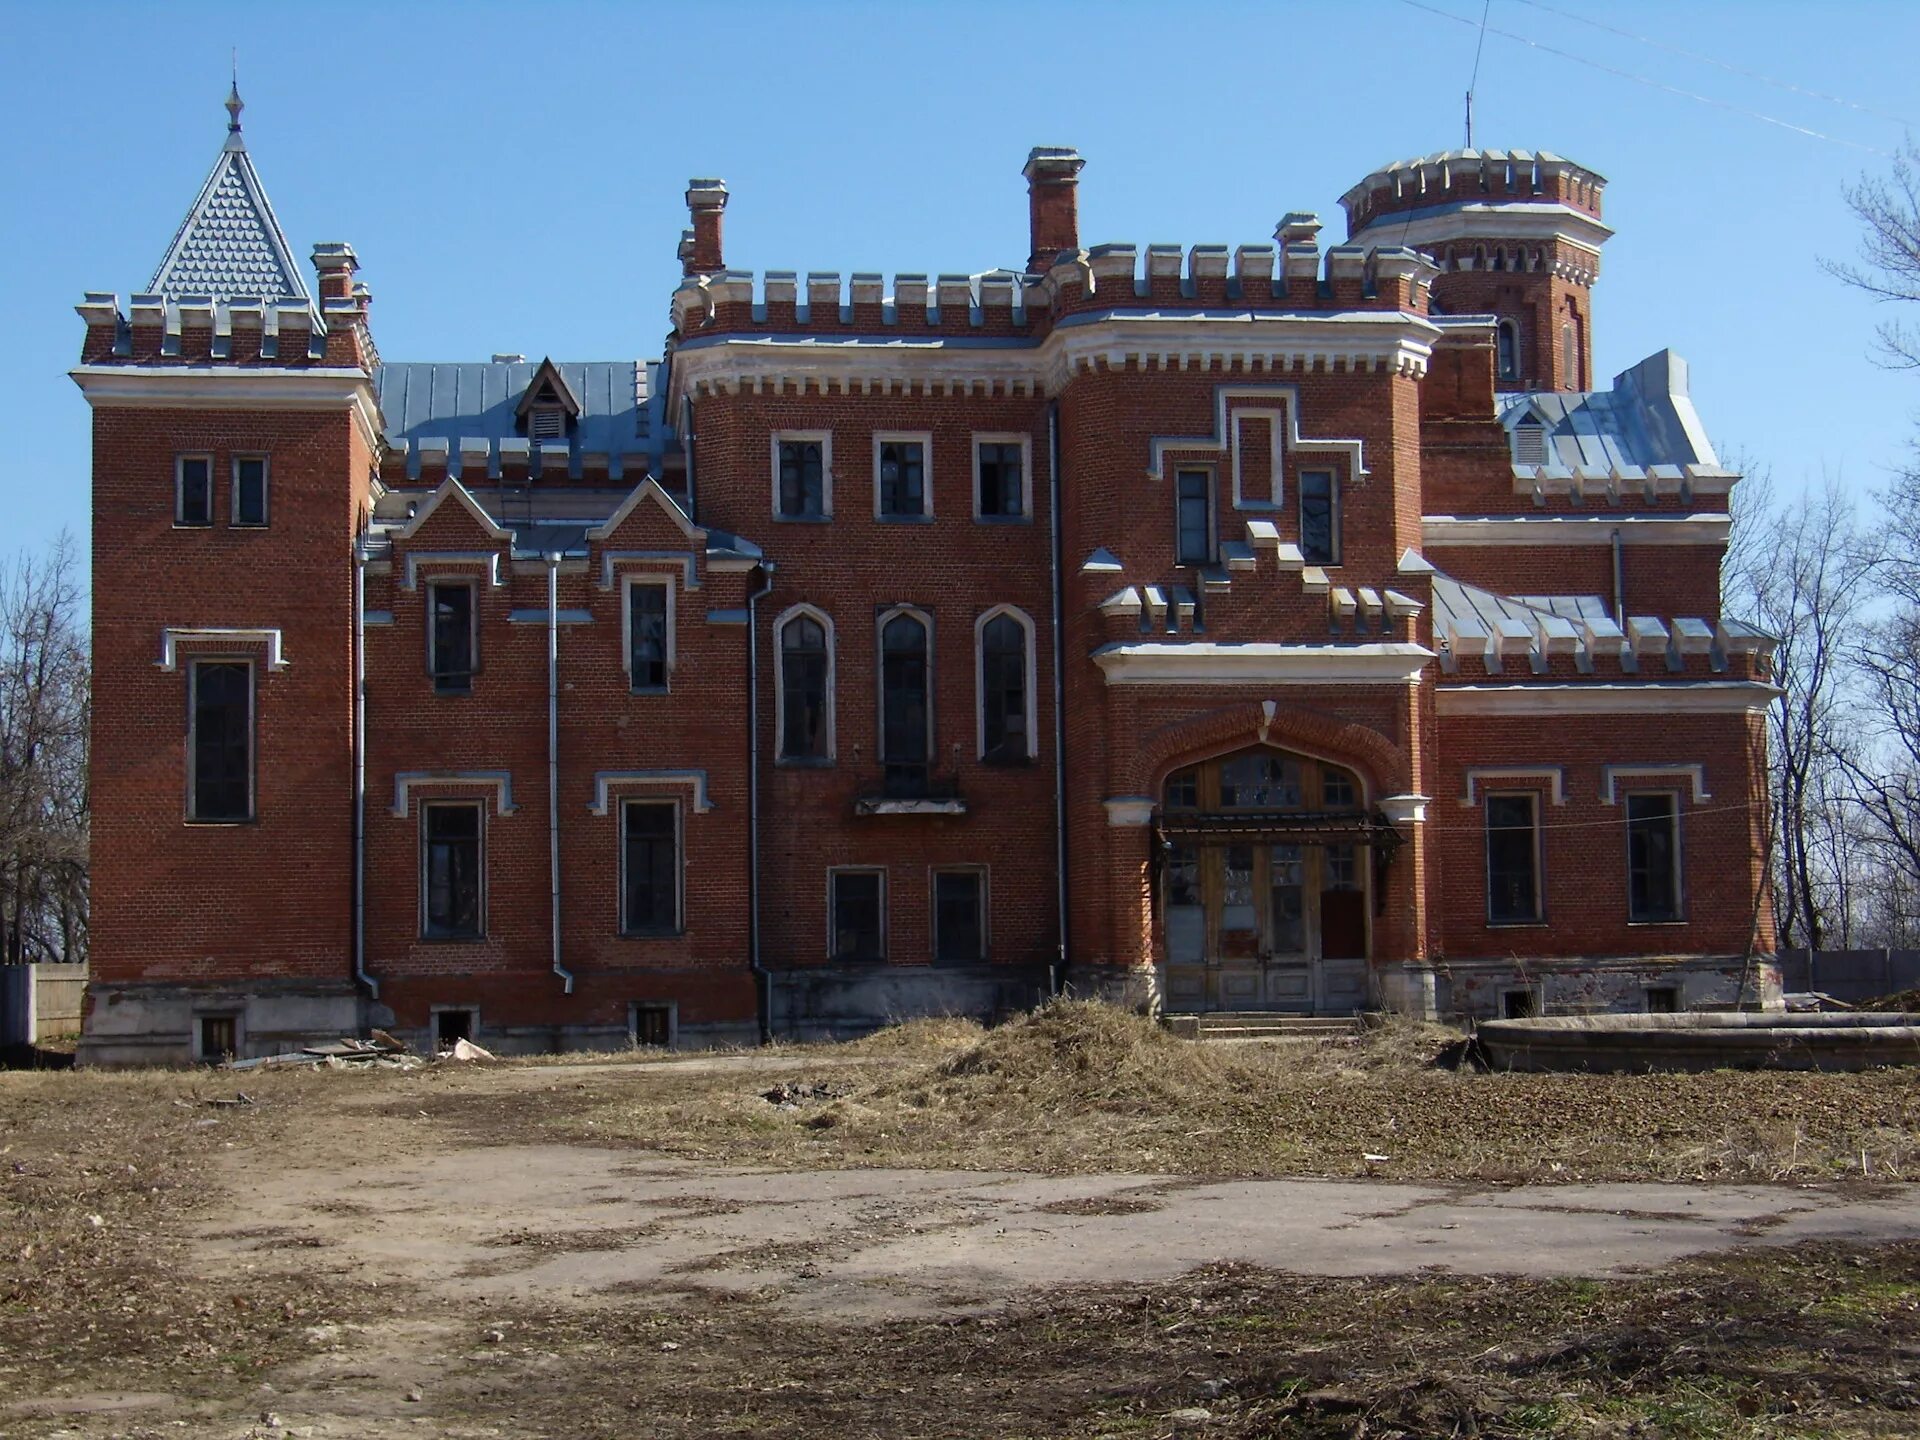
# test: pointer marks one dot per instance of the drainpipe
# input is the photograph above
(1059, 969)
(1619, 585)
(686, 446)
(360, 769)
(763, 980)
(553, 757)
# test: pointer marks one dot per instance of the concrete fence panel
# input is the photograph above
(1850, 975)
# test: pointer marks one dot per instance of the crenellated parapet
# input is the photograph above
(203, 330)
(1460, 177)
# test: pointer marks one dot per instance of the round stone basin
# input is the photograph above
(1704, 1040)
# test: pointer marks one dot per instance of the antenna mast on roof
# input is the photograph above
(1474, 80)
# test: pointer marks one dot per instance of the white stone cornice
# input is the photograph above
(233, 387)
(1653, 697)
(1204, 662)
(1441, 531)
(1128, 811)
(1491, 221)
(176, 638)
(1611, 775)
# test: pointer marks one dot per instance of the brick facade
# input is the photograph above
(1277, 507)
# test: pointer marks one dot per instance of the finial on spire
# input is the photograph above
(234, 103)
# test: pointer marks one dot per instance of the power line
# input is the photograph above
(1473, 81)
(1728, 66)
(1650, 82)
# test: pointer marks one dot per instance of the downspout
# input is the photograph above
(686, 447)
(1619, 585)
(553, 757)
(360, 769)
(763, 980)
(1059, 969)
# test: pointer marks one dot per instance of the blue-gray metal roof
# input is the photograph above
(472, 406)
(230, 246)
(1647, 419)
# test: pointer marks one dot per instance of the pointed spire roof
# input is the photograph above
(230, 245)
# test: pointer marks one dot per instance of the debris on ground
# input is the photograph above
(787, 1095)
(380, 1052)
(466, 1050)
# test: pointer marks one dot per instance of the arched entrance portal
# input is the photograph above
(1267, 883)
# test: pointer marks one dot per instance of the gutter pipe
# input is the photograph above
(360, 972)
(553, 757)
(763, 979)
(1057, 979)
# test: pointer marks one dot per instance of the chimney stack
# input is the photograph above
(336, 264)
(706, 201)
(1053, 205)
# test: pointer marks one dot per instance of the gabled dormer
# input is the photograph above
(548, 408)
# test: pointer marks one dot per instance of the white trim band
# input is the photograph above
(1205, 662)
(1611, 773)
(1440, 531)
(1713, 697)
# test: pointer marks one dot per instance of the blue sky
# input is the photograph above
(511, 174)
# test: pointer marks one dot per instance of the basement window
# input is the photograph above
(1519, 1005)
(1663, 1000)
(652, 1025)
(218, 1038)
(453, 1025)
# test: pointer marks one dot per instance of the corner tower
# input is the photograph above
(1516, 234)
(234, 429)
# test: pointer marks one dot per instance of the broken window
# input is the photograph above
(647, 634)
(959, 917)
(805, 671)
(1319, 518)
(999, 473)
(1653, 857)
(1663, 999)
(653, 1025)
(250, 490)
(452, 644)
(802, 480)
(193, 490)
(905, 719)
(1194, 523)
(1003, 691)
(1513, 858)
(1519, 1004)
(451, 870)
(1186, 905)
(857, 923)
(903, 479)
(219, 1038)
(650, 867)
(452, 1026)
(220, 745)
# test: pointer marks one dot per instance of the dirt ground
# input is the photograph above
(924, 1235)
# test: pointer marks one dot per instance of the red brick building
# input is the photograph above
(1286, 627)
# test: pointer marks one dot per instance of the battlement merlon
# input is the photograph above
(1503, 177)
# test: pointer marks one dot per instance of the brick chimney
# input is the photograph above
(1053, 206)
(707, 202)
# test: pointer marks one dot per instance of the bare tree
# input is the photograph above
(45, 711)
(1888, 209)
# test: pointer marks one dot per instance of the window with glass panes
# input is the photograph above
(450, 636)
(647, 635)
(193, 490)
(802, 480)
(450, 842)
(1653, 856)
(999, 467)
(221, 741)
(903, 479)
(1513, 858)
(649, 867)
(1319, 518)
(250, 490)
(904, 716)
(1194, 540)
(857, 920)
(1003, 690)
(803, 689)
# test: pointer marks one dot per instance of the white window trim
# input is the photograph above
(1213, 513)
(1679, 854)
(472, 588)
(180, 522)
(1610, 775)
(812, 612)
(434, 1012)
(266, 492)
(622, 928)
(420, 928)
(1554, 776)
(1278, 426)
(922, 438)
(980, 680)
(824, 438)
(253, 735)
(934, 872)
(833, 873)
(880, 624)
(1539, 916)
(1334, 492)
(1005, 437)
(658, 582)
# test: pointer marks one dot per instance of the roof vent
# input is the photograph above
(509, 359)
(1529, 443)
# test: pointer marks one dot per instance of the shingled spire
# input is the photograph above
(230, 245)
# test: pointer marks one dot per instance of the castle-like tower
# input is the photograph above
(1268, 627)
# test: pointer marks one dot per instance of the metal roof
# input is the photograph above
(230, 245)
(1646, 419)
(471, 407)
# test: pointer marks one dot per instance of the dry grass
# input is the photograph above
(1084, 1088)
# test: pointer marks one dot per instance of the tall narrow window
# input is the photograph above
(649, 867)
(1513, 859)
(1569, 355)
(647, 634)
(805, 690)
(999, 473)
(250, 490)
(902, 479)
(959, 917)
(1319, 518)
(1194, 541)
(802, 479)
(193, 490)
(450, 879)
(904, 717)
(1507, 350)
(451, 650)
(220, 745)
(1005, 713)
(1653, 857)
(857, 919)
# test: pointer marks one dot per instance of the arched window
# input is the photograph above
(805, 689)
(906, 720)
(1005, 644)
(1507, 350)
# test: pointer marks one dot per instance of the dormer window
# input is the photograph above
(1529, 443)
(548, 408)
(546, 422)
